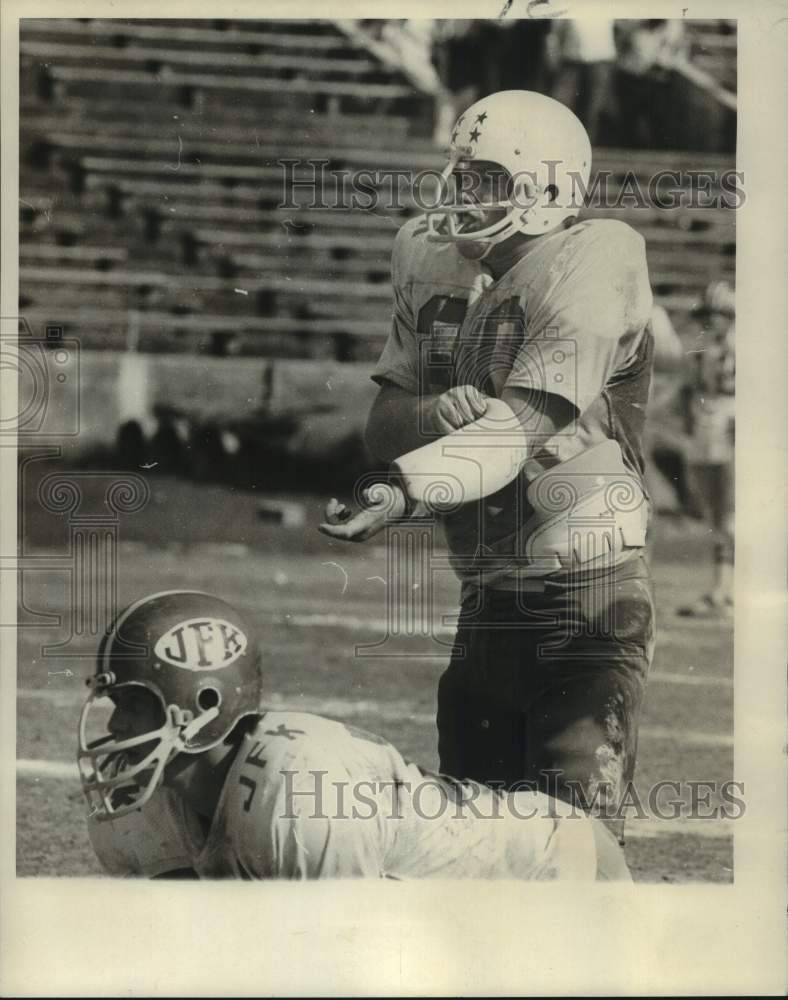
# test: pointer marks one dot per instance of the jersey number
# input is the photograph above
(438, 324)
(484, 355)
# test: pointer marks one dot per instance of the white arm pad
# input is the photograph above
(466, 465)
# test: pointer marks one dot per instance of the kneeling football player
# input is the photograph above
(192, 777)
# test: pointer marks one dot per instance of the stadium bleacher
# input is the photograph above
(151, 193)
(713, 49)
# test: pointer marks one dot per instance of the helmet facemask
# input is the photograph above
(120, 775)
(472, 191)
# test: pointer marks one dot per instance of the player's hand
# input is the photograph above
(457, 407)
(381, 503)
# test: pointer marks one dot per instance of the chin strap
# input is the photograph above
(189, 727)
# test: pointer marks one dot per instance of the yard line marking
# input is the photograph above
(655, 677)
(47, 768)
(59, 698)
(690, 680)
(651, 827)
(352, 622)
(396, 711)
(686, 738)
(636, 828)
(696, 624)
(391, 711)
(442, 631)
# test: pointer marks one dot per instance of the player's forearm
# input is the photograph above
(399, 422)
(541, 414)
(485, 455)
(481, 457)
(468, 464)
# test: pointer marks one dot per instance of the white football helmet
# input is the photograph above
(545, 156)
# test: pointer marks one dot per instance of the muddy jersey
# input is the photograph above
(308, 797)
(571, 318)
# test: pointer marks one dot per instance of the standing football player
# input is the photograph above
(186, 774)
(503, 299)
(712, 426)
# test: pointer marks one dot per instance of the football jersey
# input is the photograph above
(571, 318)
(713, 400)
(308, 797)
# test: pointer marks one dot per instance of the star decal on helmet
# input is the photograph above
(480, 119)
(474, 136)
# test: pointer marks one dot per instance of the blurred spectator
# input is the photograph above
(404, 45)
(645, 85)
(454, 53)
(373, 26)
(457, 68)
(631, 82)
(475, 58)
(412, 42)
(711, 420)
(650, 47)
(513, 51)
(583, 54)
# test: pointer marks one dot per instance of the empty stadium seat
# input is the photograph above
(151, 187)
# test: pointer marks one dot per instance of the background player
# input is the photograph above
(499, 296)
(711, 420)
(194, 777)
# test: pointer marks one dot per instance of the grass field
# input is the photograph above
(315, 602)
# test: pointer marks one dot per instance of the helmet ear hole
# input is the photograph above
(208, 697)
(551, 191)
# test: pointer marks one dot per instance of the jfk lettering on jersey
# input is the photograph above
(201, 644)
